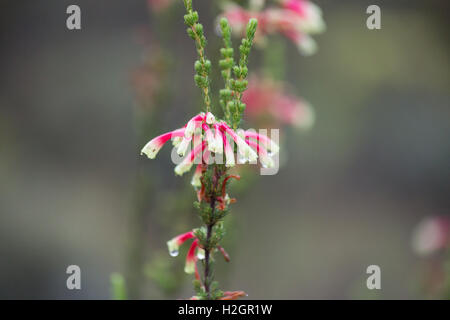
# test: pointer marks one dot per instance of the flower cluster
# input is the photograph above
(295, 19)
(210, 136)
(267, 99)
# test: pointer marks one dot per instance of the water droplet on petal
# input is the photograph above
(173, 253)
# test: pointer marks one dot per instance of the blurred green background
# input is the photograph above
(349, 195)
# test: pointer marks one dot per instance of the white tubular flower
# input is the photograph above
(229, 154)
(209, 138)
(218, 138)
(266, 161)
(183, 146)
(271, 146)
(247, 153)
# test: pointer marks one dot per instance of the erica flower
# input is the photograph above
(432, 235)
(207, 135)
(195, 252)
(295, 19)
(310, 15)
(232, 295)
(175, 243)
(268, 100)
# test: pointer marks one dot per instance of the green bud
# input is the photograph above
(226, 63)
(224, 74)
(224, 25)
(198, 66)
(195, 16)
(225, 93)
(251, 28)
(199, 29)
(237, 71)
(201, 81)
(244, 71)
(191, 33)
(207, 65)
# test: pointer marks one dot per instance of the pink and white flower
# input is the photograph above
(152, 148)
(209, 136)
(432, 235)
(175, 243)
(268, 100)
(194, 250)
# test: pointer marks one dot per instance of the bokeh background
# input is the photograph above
(350, 192)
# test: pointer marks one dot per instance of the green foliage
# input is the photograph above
(240, 71)
(118, 287)
(226, 64)
(202, 65)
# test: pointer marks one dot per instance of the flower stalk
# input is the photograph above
(210, 137)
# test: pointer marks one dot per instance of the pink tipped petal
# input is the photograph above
(191, 258)
(152, 148)
(175, 243)
(264, 157)
(267, 142)
(193, 124)
(244, 150)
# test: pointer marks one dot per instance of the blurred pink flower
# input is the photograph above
(432, 235)
(159, 5)
(295, 19)
(266, 98)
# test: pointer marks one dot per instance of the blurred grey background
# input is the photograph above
(349, 195)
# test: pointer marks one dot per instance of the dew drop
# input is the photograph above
(173, 253)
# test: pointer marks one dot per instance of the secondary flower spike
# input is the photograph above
(208, 135)
(268, 101)
(297, 20)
